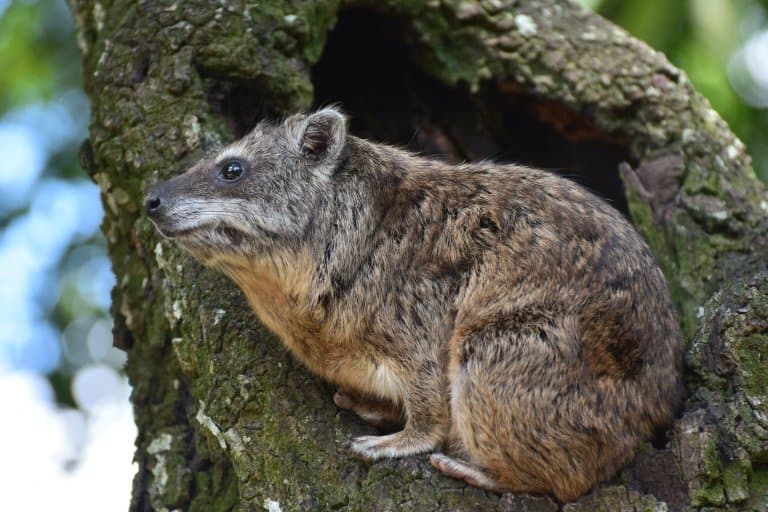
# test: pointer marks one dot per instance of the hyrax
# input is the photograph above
(504, 318)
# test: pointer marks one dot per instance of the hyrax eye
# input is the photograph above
(231, 171)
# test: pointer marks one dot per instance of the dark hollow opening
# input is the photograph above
(370, 67)
(240, 103)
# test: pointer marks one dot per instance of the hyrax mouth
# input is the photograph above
(179, 233)
(173, 232)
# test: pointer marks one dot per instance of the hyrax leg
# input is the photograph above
(426, 421)
(461, 470)
(382, 414)
(524, 411)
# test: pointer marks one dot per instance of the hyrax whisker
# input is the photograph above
(499, 310)
(222, 215)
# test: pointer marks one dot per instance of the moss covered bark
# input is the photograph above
(227, 420)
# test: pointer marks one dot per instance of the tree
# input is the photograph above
(226, 418)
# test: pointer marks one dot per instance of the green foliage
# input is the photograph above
(37, 52)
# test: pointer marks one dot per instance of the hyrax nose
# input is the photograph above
(152, 203)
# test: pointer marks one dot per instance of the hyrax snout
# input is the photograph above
(501, 317)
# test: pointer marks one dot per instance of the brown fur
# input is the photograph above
(498, 312)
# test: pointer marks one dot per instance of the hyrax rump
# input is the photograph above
(501, 314)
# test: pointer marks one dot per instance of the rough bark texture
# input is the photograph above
(227, 420)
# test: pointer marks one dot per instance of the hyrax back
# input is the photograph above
(499, 313)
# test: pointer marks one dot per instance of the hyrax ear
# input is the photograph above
(322, 135)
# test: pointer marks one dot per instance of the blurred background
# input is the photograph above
(67, 438)
(67, 433)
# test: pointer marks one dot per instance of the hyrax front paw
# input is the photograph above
(400, 444)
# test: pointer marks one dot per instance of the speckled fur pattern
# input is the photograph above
(499, 315)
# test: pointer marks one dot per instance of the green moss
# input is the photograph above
(214, 492)
(701, 180)
(316, 20)
(748, 333)
(736, 480)
(753, 355)
(758, 488)
(712, 491)
(680, 288)
(695, 259)
(456, 55)
(176, 491)
(711, 494)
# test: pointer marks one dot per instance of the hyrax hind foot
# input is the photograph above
(381, 414)
(400, 444)
(463, 471)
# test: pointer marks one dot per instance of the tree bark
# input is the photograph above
(227, 419)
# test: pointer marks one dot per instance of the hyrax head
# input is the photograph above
(256, 194)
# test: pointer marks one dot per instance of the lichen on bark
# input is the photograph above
(227, 420)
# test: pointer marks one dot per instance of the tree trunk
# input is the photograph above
(227, 419)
